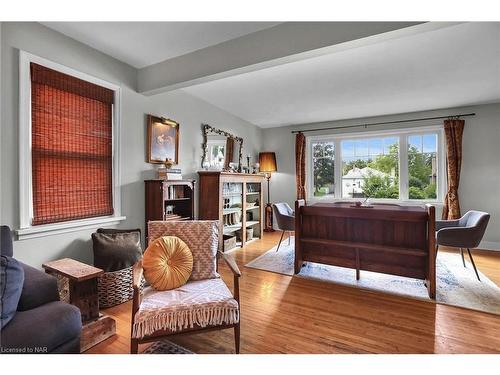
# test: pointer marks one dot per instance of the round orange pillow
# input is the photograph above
(167, 263)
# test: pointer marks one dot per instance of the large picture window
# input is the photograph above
(401, 165)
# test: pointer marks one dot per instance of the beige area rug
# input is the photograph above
(456, 285)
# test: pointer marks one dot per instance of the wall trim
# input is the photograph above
(67, 226)
(489, 245)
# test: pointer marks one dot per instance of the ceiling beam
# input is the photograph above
(281, 44)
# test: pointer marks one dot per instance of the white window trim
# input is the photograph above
(26, 229)
(403, 167)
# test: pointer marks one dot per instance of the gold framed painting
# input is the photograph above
(163, 140)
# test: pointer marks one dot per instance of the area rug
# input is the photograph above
(456, 285)
(166, 347)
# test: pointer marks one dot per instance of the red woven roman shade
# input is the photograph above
(71, 147)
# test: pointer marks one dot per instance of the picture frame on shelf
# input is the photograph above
(162, 140)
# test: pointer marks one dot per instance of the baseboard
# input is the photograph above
(488, 245)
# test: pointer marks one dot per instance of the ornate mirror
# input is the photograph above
(222, 151)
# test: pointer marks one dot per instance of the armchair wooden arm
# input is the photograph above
(236, 273)
(137, 272)
(230, 263)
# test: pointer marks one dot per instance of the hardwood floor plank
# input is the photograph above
(284, 314)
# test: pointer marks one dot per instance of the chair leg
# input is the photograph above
(281, 239)
(237, 338)
(289, 236)
(473, 264)
(134, 346)
(462, 253)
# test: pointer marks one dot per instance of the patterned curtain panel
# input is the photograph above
(453, 129)
(300, 165)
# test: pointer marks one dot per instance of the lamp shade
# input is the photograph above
(267, 161)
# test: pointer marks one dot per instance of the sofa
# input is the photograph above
(42, 323)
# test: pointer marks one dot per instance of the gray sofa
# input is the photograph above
(42, 323)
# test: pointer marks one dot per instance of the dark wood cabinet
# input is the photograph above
(169, 200)
(235, 199)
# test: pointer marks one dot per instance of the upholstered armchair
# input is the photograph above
(204, 303)
(464, 233)
(285, 219)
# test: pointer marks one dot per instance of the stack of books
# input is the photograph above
(169, 174)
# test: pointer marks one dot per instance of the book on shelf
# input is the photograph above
(176, 192)
(169, 217)
(170, 174)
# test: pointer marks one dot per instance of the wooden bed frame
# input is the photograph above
(386, 238)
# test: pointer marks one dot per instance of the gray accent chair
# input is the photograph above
(42, 323)
(285, 219)
(464, 233)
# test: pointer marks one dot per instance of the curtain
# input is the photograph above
(71, 147)
(229, 152)
(300, 165)
(453, 129)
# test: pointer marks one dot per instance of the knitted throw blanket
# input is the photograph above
(197, 303)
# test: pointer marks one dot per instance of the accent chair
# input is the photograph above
(285, 219)
(464, 233)
(203, 304)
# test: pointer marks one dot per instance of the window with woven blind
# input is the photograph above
(72, 153)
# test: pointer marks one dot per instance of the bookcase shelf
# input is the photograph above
(224, 196)
(169, 200)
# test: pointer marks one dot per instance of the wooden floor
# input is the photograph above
(283, 314)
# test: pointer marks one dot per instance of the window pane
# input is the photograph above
(422, 166)
(372, 172)
(323, 169)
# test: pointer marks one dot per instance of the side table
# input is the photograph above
(82, 278)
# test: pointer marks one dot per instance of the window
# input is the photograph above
(422, 166)
(401, 165)
(323, 168)
(68, 169)
(370, 168)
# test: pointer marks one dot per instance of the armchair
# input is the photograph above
(466, 232)
(285, 218)
(42, 323)
(203, 304)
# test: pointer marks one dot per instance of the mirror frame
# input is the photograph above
(207, 129)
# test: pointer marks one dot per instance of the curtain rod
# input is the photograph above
(384, 123)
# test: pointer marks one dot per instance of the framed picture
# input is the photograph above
(163, 140)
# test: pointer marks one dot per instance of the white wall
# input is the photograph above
(190, 112)
(480, 177)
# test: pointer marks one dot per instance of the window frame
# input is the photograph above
(26, 229)
(402, 135)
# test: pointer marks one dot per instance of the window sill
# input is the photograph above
(66, 227)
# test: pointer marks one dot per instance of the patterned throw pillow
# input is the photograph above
(167, 263)
(202, 238)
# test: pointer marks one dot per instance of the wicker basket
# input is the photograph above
(115, 287)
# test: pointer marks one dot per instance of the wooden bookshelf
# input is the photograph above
(226, 197)
(169, 200)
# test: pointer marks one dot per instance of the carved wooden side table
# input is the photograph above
(82, 280)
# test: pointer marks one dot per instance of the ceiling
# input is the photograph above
(145, 43)
(448, 67)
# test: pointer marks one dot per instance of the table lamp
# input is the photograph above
(267, 161)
